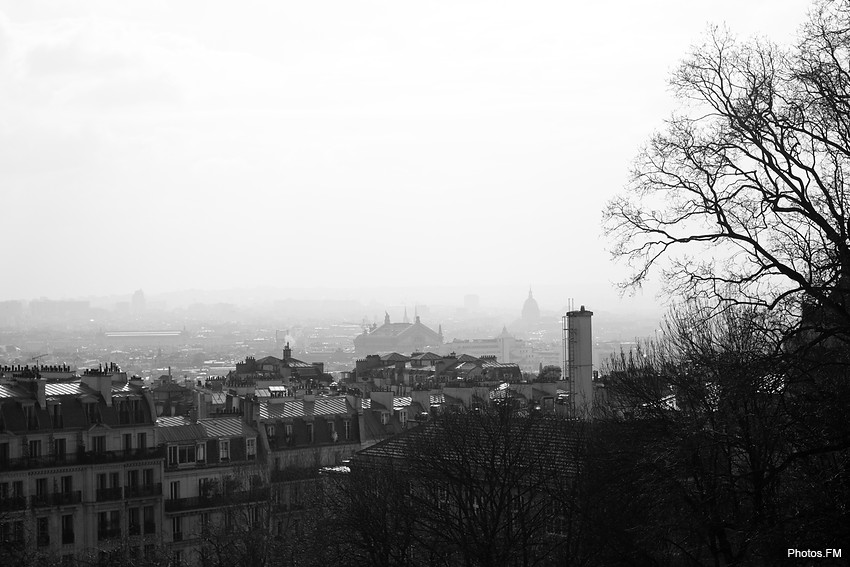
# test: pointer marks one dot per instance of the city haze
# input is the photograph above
(331, 145)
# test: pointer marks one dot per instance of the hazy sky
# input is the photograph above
(175, 144)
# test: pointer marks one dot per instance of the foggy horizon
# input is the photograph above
(190, 147)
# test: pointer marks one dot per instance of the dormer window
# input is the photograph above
(385, 418)
(402, 417)
(91, 412)
(56, 416)
(251, 448)
(29, 414)
(224, 449)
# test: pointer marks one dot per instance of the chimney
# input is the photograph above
(423, 398)
(40, 393)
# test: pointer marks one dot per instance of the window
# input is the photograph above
(60, 448)
(128, 441)
(67, 528)
(150, 524)
(181, 455)
(224, 450)
(134, 521)
(108, 525)
(309, 432)
(402, 416)
(91, 413)
(177, 528)
(142, 440)
(385, 418)
(347, 424)
(175, 490)
(35, 448)
(67, 484)
(147, 477)
(17, 488)
(331, 429)
(101, 481)
(42, 531)
(4, 453)
(251, 448)
(56, 416)
(41, 487)
(270, 430)
(133, 478)
(99, 443)
(201, 452)
(288, 431)
(29, 413)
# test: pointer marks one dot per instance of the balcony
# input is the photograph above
(40, 501)
(192, 503)
(107, 494)
(67, 537)
(95, 457)
(67, 498)
(143, 490)
(108, 533)
(13, 503)
(216, 500)
(56, 499)
(89, 457)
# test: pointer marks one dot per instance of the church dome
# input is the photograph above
(530, 310)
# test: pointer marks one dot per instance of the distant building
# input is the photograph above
(397, 337)
(505, 347)
(530, 310)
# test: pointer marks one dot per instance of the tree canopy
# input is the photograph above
(742, 196)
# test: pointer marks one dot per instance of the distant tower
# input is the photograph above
(406, 318)
(138, 303)
(530, 310)
(578, 360)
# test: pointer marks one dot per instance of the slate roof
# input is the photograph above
(8, 392)
(299, 408)
(226, 427)
(65, 389)
(555, 440)
(427, 356)
(174, 432)
(394, 357)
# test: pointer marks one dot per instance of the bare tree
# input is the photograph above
(730, 461)
(493, 486)
(742, 196)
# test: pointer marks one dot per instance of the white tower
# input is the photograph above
(578, 350)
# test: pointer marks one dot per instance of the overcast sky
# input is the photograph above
(175, 144)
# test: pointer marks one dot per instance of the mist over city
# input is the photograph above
(436, 284)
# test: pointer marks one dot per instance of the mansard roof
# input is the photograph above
(300, 408)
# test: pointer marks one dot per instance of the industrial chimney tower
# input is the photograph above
(578, 359)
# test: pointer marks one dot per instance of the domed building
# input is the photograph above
(530, 309)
